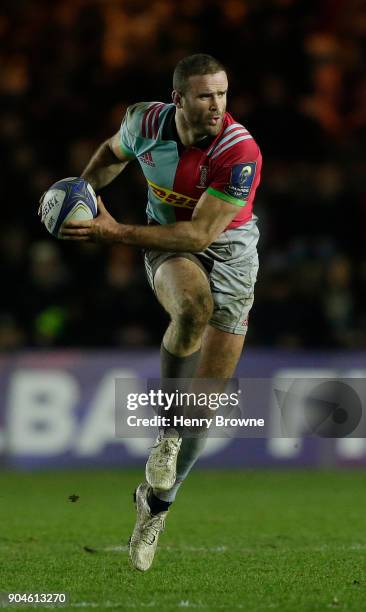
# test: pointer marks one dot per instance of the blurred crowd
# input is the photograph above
(69, 69)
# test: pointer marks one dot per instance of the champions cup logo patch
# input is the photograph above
(242, 176)
(171, 197)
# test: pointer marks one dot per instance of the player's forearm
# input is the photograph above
(180, 236)
(103, 167)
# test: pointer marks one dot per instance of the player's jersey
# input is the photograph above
(227, 166)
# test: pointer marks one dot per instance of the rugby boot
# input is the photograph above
(145, 536)
(161, 466)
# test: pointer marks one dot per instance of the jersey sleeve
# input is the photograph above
(127, 139)
(139, 125)
(236, 173)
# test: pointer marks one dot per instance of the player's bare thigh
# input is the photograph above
(182, 288)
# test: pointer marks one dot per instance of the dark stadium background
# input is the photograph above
(68, 69)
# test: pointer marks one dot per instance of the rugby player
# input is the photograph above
(202, 169)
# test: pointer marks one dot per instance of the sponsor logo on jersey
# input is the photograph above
(146, 158)
(171, 197)
(203, 177)
(241, 179)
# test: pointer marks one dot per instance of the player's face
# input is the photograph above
(204, 103)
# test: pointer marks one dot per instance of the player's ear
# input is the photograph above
(177, 98)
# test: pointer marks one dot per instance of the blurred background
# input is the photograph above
(69, 69)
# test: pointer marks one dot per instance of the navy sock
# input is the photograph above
(176, 367)
(157, 505)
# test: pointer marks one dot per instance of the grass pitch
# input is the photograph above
(251, 540)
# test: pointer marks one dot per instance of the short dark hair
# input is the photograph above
(200, 63)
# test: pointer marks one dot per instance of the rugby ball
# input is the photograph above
(71, 199)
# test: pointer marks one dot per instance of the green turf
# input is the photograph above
(251, 540)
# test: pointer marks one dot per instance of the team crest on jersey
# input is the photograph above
(242, 176)
(203, 177)
(146, 158)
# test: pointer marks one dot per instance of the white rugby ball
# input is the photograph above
(71, 199)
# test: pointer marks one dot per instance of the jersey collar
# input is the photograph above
(170, 132)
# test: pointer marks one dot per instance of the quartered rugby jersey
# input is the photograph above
(227, 166)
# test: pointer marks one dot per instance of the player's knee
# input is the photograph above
(195, 311)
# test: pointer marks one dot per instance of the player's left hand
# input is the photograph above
(101, 229)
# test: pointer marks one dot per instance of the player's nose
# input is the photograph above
(214, 103)
(217, 104)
